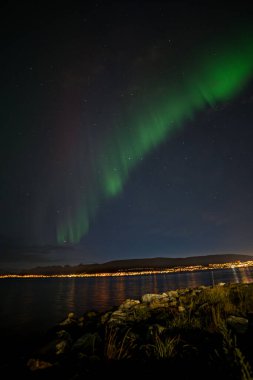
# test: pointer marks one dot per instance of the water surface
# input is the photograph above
(31, 306)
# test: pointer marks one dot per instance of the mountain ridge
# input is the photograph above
(154, 263)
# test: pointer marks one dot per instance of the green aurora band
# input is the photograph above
(159, 114)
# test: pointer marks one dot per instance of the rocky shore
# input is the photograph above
(202, 332)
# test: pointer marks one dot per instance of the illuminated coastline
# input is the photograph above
(120, 273)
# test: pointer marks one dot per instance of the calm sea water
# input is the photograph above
(31, 306)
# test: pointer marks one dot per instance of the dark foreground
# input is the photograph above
(200, 333)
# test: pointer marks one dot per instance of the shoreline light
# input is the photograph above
(120, 273)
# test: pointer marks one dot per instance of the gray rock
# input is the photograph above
(128, 304)
(37, 364)
(172, 294)
(138, 312)
(62, 347)
(159, 303)
(141, 312)
(69, 320)
(148, 298)
(118, 317)
(64, 344)
(80, 321)
(105, 317)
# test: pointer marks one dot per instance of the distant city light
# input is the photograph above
(131, 272)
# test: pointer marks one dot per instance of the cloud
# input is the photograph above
(26, 257)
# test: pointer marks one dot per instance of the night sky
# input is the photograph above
(126, 131)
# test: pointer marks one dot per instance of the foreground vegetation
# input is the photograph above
(204, 332)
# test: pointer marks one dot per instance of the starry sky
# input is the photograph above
(126, 131)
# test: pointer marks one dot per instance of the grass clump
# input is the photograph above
(119, 346)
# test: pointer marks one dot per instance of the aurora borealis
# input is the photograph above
(120, 124)
(133, 137)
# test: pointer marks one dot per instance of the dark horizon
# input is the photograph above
(30, 261)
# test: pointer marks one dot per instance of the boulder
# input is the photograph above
(158, 303)
(69, 320)
(128, 304)
(62, 347)
(37, 364)
(118, 317)
(141, 312)
(148, 298)
(137, 312)
(172, 294)
(105, 317)
(80, 321)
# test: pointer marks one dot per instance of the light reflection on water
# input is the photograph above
(37, 304)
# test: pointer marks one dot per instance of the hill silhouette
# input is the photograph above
(155, 263)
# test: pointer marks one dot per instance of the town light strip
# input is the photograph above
(121, 273)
